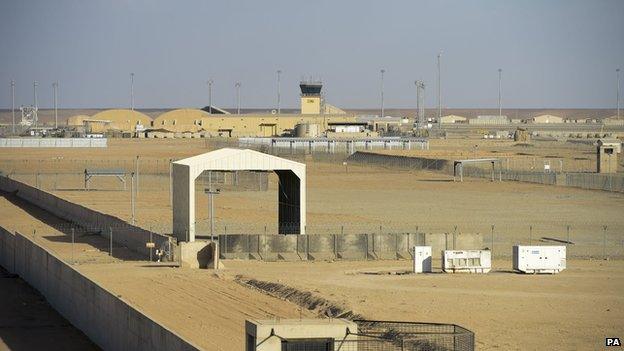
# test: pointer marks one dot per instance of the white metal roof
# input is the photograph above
(230, 159)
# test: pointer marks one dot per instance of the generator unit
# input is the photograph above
(422, 259)
(539, 259)
(466, 261)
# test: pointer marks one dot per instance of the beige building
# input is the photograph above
(450, 119)
(300, 334)
(265, 125)
(181, 120)
(112, 120)
(614, 121)
(544, 119)
(607, 151)
(311, 99)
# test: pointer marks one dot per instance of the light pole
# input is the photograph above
(382, 92)
(439, 91)
(420, 103)
(13, 105)
(35, 84)
(617, 72)
(210, 81)
(500, 106)
(132, 92)
(279, 73)
(55, 88)
(211, 194)
(237, 85)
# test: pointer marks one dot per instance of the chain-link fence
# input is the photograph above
(408, 336)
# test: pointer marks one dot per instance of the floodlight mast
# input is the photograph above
(420, 103)
(500, 106)
(55, 88)
(132, 92)
(617, 72)
(237, 85)
(439, 90)
(210, 81)
(279, 73)
(383, 71)
(35, 84)
(13, 106)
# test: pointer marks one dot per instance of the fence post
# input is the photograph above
(72, 247)
(604, 242)
(492, 248)
(224, 239)
(110, 234)
(151, 241)
(568, 235)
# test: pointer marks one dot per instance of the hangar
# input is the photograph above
(291, 192)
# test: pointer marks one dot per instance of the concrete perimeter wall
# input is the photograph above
(340, 246)
(53, 142)
(124, 234)
(107, 320)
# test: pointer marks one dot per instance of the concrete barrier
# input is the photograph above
(53, 142)
(107, 320)
(402, 161)
(341, 246)
(124, 234)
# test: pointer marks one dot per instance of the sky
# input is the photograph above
(553, 54)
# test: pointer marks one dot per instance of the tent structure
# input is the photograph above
(291, 192)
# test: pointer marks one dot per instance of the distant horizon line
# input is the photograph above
(342, 108)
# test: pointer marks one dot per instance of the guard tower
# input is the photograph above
(311, 99)
(607, 152)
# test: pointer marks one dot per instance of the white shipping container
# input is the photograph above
(539, 259)
(466, 261)
(422, 259)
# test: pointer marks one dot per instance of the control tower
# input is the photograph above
(311, 99)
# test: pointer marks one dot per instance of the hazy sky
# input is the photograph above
(553, 53)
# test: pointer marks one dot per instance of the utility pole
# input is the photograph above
(500, 106)
(210, 81)
(132, 200)
(617, 72)
(279, 109)
(420, 103)
(439, 91)
(382, 93)
(35, 84)
(132, 92)
(237, 85)
(137, 175)
(55, 88)
(13, 106)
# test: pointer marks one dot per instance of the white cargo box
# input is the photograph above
(539, 259)
(422, 259)
(466, 261)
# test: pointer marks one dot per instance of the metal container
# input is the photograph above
(539, 259)
(466, 261)
(422, 259)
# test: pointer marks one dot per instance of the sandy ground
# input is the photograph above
(574, 310)
(203, 307)
(361, 199)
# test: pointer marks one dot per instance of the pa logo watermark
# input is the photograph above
(613, 342)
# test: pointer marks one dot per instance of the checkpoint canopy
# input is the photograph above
(291, 192)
